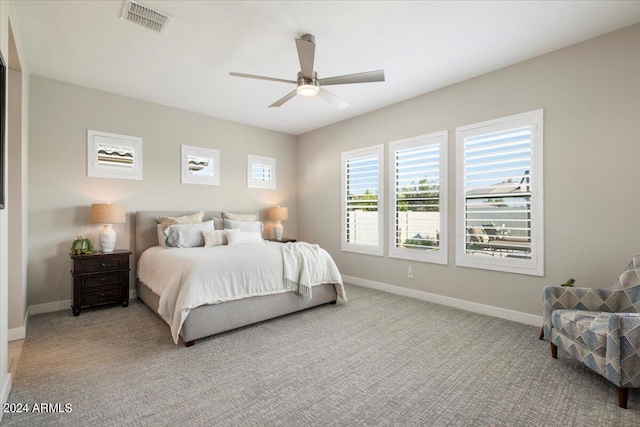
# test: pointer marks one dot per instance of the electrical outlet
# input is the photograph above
(410, 273)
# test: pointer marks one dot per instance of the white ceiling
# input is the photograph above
(422, 46)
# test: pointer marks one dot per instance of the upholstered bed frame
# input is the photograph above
(208, 320)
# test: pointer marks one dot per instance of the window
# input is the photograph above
(362, 193)
(418, 202)
(499, 195)
(261, 172)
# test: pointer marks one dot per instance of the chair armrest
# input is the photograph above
(623, 350)
(564, 297)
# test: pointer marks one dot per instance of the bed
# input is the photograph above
(216, 316)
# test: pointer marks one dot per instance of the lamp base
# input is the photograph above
(108, 238)
(278, 229)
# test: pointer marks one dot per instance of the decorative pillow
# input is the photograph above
(235, 217)
(218, 223)
(162, 239)
(215, 238)
(239, 237)
(166, 221)
(477, 234)
(187, 235)
(244, 225)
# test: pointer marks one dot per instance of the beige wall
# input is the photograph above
(590, 94)
(61, 194)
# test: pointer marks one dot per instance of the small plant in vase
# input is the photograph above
(569, 283)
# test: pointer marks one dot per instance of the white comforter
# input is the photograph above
(188, 278)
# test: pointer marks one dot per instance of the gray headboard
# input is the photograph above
(146, 231)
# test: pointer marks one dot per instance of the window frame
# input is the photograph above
(441, 256)
(378, 250)
(534, 265)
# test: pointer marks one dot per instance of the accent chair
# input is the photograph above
(599, 327)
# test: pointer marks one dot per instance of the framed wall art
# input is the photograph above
(261, 172)
(110, 155)
(200, 165)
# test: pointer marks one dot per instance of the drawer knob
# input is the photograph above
(102, 280)
(103, 264)
(102, 294)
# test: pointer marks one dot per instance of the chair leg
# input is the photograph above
(554, 350)
(623, 393)
(542, 333)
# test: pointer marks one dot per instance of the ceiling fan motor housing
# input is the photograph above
(308, 87)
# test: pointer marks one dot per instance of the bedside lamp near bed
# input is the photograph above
(107, 214)
(278, 214)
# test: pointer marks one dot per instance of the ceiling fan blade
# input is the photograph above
(366, 77)
(271, 79)
(306, 54)
(332, 99)
(284, 99)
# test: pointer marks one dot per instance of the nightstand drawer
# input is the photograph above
(105, 294)
(95, 265)
(102, 280)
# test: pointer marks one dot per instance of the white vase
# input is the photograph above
(278, 229)
(108, 238)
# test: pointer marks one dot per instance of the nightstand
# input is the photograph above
(284, 240)
(100, 278)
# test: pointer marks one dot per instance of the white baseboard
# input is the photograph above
(21, 332)
(503, 313)
(4, 393)
(50, 307)
(16, 333)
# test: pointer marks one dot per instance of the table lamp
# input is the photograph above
(107, 214)
(278, 214)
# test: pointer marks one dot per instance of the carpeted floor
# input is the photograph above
(381, 359)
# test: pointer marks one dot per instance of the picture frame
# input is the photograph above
(3, 127)
(199, 165)
(261, 172)
(110, 155)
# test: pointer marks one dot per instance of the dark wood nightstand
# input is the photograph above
(100, 278)
(284, 240)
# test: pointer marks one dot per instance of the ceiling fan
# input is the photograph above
(308, 82)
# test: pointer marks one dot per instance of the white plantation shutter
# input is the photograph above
(500, 194)
(418, 202)
(362, 195)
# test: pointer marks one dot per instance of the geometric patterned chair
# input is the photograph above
(599, 327)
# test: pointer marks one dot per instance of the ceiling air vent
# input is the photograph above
(145, 16)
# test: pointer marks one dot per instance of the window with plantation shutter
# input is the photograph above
(418, 198)
(499, 194)
(362, 196)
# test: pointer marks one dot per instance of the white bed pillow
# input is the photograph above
(237, 217)
(215, 238)
(187, 235)
(244, 225)
(239, 237)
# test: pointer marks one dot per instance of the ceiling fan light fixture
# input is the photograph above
(308, 90)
